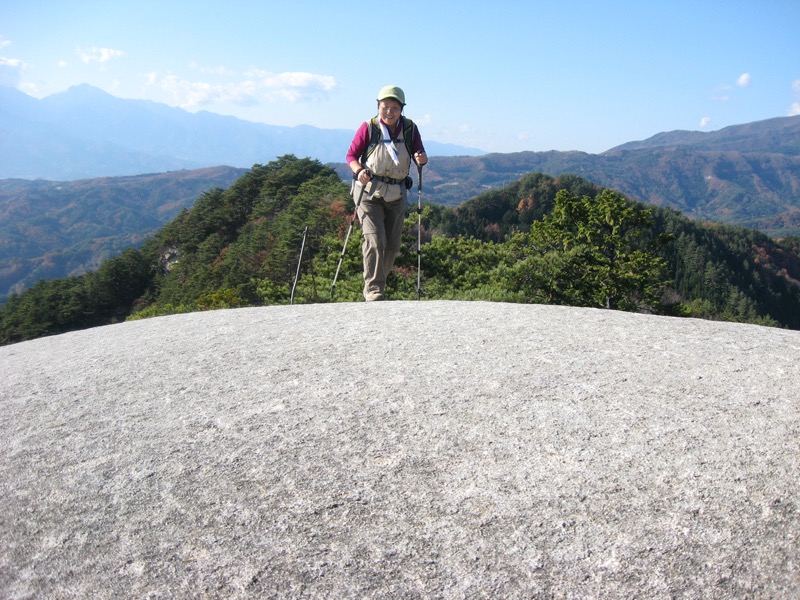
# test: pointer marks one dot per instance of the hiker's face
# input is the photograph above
(389, 111)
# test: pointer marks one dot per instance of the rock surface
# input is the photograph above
(402, 449)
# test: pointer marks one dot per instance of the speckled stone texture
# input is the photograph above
(402, 450)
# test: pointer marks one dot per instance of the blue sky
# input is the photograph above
(502, 76)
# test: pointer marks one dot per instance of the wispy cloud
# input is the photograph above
(257, 86)
(100, 55)
(705, 121)
(13, 63)
(296, 86)
(10, 71)
(212, 70)
(722, 92)
(744, 80)
(194, 94)
(4, 43)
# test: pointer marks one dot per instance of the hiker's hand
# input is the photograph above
(421, 158)
(364, 176)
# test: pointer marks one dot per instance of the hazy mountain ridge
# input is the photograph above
(755, 186)
(780, 135)
(84, 133)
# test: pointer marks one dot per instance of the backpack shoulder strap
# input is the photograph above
(408, 134)
(374, 137)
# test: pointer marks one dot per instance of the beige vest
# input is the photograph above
(380, 163)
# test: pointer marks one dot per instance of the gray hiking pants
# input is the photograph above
(382, 224)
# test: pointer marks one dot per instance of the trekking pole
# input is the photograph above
(419, 227)
(346, 238)
(299, 262)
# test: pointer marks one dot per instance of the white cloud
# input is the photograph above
(101, 55)
(293, 86)
(188, 94)
(31, 89)
(722, 92)
(4, 43)
(705, 121)
(14, 63)
(259, 85)
(744, 80)
(195, 94)
(796, 85)
(10, 71)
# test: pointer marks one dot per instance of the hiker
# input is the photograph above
(380, 157)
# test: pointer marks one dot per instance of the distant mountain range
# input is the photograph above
(747, 175)
(84, 132)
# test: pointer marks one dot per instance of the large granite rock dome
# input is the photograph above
(402, 449)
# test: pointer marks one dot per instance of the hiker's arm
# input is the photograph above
(357, 147)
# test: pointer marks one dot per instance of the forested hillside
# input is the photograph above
(539, 239)
(52, 229)
(746, 175)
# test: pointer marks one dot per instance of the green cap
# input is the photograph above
(392, 91)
